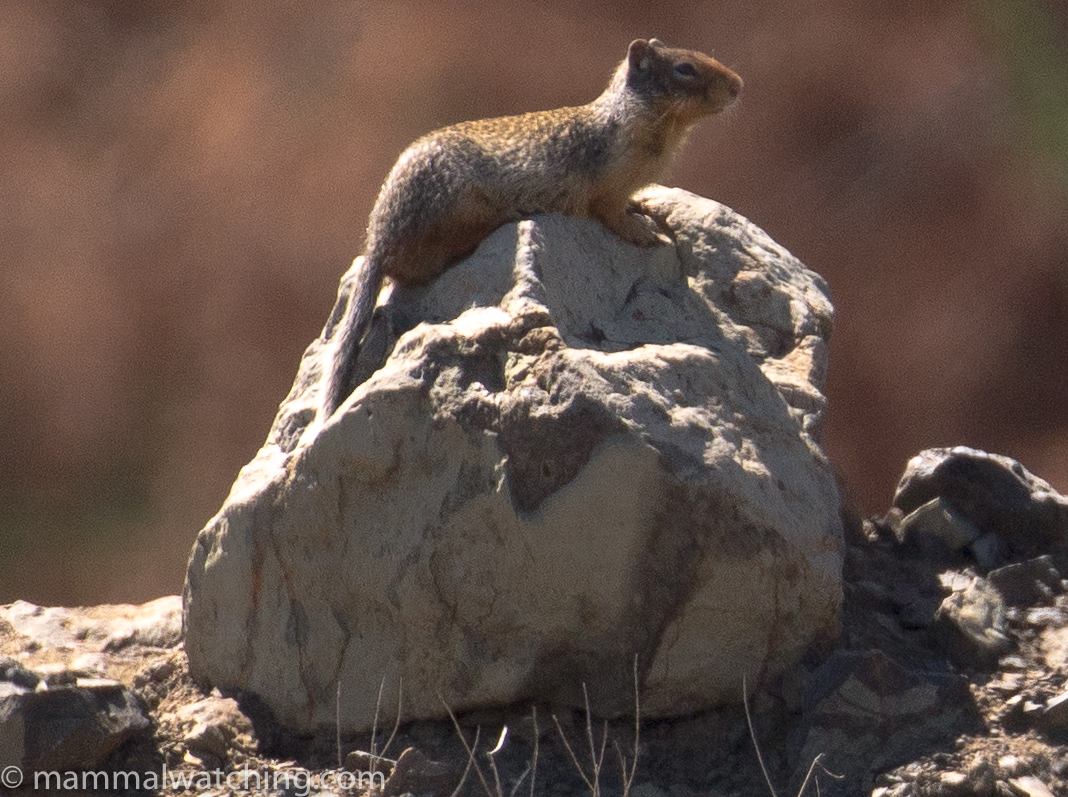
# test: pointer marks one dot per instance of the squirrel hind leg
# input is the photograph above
(423, 261)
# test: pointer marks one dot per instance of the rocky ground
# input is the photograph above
(950, 678)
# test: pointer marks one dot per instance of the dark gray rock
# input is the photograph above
(867, 712)
(937, 524)
(1055, 712)
(416, 774)
(994, 492)
(14, 673)
(71, 728)
(989, 550)
(1032, 583)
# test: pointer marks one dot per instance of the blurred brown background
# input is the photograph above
(183, 183)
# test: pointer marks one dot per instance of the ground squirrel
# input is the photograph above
(453, 187)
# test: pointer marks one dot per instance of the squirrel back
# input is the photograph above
(453, 187)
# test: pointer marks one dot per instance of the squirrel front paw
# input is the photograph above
(636, 227)
(657, 214)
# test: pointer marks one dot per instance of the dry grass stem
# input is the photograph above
(397, 719)
(534, 755)
(470, 752)
(470, 759)
(628, 776)
(493, 764)
(374, 726)
(593, 781)
(760, 757)
(337, 723)
(752, 736)
(811, 772)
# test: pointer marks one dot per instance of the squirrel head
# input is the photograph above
(686, 84)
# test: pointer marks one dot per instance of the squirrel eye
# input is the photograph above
(685, 69)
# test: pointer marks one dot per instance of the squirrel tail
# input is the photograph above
(347, 332)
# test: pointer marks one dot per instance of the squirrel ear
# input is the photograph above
(638, 54)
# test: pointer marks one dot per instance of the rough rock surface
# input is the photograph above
(972, 622)
(995, 493)
(67, 683)
(156, 624)
(212, 727)
(892, 712)
(950, 605)
(69, 727)
(565, 452)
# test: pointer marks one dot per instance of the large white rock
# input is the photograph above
(576, 452)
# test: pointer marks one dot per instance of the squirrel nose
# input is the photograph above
(734, 86)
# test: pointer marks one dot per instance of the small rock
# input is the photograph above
(1047, 617)
(867, 712)
(1013, 663)
(68, 728)
(1055, 712)
(216, 724)
(937, 524)
(211, 739)
(1054, 646)
(89, 665)
(361, 760)
(157, 623)
(1028, 583)
(954, 782)
(7, 688)
(955, 581)
(1008, 683)
(15, 673)
(155, 674)
(971, 625)
(988, 551)
(1030, 786)
(97, 683)
(372, 770)
(982, 776)
(995, 492)
(416, 773)
(45, 627)
(1009, 765)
